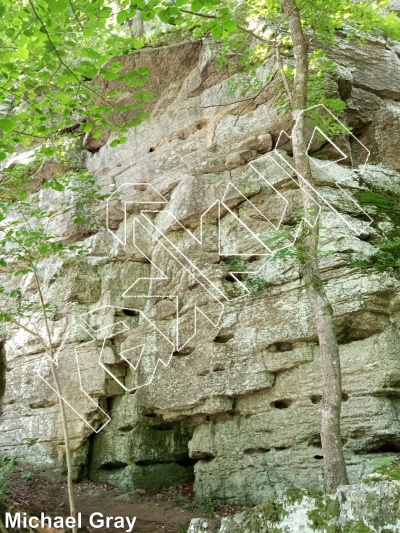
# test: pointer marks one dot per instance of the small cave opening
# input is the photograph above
(141, 186)
(362, 216)
(93, 149)
(2, 373)
(223, 337)
(125, 429)
(205, 457)
(366, 237)
(162, 426)
(130, 312)
(281, 404)
(187, 462)
(285, 346)
(239, 276)
(251, 451)
(318, 457)
(109, 403)
(316, 398)
(385, 447)
(152, 149)
(113, 465)
(184, 352)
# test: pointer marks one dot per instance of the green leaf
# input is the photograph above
(122, 16)
(87, 127)
(7, 124)
(89, 52)
(197, 5)
(23, 52)
(229, 25)
(105, 12)
(147, 14)
(143, 96)
(97, 134)
(216, 32)
(88, 32)
(56, 185)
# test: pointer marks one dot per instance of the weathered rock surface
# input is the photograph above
(240, 401)
(372, 506)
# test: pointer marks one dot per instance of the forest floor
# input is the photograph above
(169, 511)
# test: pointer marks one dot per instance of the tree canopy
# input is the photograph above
(56, 52)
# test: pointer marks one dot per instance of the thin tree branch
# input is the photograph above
(30, 135)
(31, 332)
(76, 18)
(240, 27)
(254, 97)
(283, 73)
(71, 496)
(65, 64)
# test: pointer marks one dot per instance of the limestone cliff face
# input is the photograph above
(238, 401)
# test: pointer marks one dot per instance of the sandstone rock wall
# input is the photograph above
(368, 506)
(238, 403)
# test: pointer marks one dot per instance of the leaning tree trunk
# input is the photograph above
(64, 422)
(332, 449)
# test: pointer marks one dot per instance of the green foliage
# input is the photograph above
(26, 237)
(240, 266)
(388, 255)
(281, 241)
(182, 501)
(183, 528)
(26, 476)
(84, 194)
(7, 467)
(58, 70)
(387, 466)
(390, 25)
(208, 507)
(251, 32)
(17, 174)
(162, 35)
(57, 67)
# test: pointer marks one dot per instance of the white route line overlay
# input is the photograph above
(277, 158)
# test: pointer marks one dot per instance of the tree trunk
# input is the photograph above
(332, 449)
(137, 26)
(50, 353)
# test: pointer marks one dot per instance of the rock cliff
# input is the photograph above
(236, 403)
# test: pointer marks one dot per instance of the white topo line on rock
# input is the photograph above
(146, 196)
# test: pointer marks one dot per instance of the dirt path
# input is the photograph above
(166, 512)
